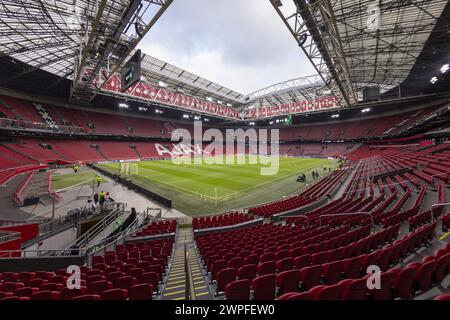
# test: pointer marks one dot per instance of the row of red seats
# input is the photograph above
(220, 220)
(404, 215)
(132, 271)
(283, 259)
(40, 289)
(414, 278)
(315, 191)
(160, 227)
(266, 287)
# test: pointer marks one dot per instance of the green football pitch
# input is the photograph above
(198, 189)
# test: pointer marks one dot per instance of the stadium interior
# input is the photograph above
(363, 143)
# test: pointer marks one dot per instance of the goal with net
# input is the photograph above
(129, 168)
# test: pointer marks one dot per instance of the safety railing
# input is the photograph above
(348, 214)
(28, 125)
(6, 236)
(38, 253)
(301, 216)
(437, 205)
(82, 242)
(139, 223)
(18, 193)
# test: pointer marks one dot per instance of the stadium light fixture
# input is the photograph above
(162, 84)
(209, 99)
(158, 111)
(434, 80)
(144, 109)
(196, 117)
(445, 68)
(229, 105)
(365, 110)
(335, 115)
(206, 119)
(185, 116)
(251, 123)
(271, 122)
(123, 105)
(219, 101)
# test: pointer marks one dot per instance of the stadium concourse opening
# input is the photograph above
(104, 198)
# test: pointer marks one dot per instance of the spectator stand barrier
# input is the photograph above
(349, 214)
(245, 224)
(141, 220)
(82, 242)
(437, 205)
(23, 185)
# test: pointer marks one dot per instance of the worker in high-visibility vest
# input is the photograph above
(98, 179)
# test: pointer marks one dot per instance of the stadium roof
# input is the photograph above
(352, 44)
(358, 44)
(155, 71)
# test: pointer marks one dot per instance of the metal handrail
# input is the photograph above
(22, 124)
(84, 240)
(6, 235)
(132, 228)
(301, 215)
(37, 252)
(121, 236)
(437, 205)
(347, 214)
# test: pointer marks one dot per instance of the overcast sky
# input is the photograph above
(241, 44)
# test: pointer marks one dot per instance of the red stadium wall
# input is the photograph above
(27, 231)
(10, 245)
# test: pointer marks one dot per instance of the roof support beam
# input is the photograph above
(329, 63)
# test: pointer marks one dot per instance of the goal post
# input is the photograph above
(134, 169)
(124, 168)
(129, 168)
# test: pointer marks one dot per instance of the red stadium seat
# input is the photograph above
(88, 297)
(140, 292)
(247, 271)
(288, 281)
(99, 287)
(238, 290)
(444, 296)
(324, 292)
(310, 276)
(224, 277)
(115, 294)
(267, 267)
(353, 289)
(45, 295)
(68, 294)
(295, 296)
(264, 287)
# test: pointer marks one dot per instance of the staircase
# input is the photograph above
(58, 154)
(136, 152)
(46, 117)
(13, 111)
(185, 271)
(99, 232)
(97, 148)
(38, 185)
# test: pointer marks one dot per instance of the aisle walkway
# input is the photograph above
(177, 278)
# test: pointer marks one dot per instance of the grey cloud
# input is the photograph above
(248, 34)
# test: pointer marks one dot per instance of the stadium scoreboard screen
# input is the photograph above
(131, 72)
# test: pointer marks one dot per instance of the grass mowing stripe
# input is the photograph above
(205, 189)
